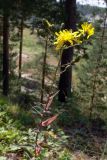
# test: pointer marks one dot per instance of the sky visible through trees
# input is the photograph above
(99, 3)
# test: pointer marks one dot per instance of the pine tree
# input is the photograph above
(5, 52)
(92, 74)
(21, 46)
(67, 56)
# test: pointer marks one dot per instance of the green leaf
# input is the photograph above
(14, 147)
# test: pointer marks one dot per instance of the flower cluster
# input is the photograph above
(68, 38)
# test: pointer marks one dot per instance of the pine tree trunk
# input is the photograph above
(5, 54)
(44, 72)
(65, 82)
(21, 48)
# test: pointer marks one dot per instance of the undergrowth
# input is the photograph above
(67, 139)
(17, 137)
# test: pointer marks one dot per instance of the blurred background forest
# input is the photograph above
(78, 94)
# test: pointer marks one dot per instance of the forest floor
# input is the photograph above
(70, 138)
(32, 60)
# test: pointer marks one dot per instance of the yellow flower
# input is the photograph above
(87, 29)
(66, 38)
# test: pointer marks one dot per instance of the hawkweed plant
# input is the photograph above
(63, 40)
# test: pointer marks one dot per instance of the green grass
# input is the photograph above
(33, 48)
(31, 43)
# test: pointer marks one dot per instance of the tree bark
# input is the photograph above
(21, 47)
(65, 82)
(5, 54)
(44, 71)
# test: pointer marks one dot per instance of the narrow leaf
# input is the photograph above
(49, 121)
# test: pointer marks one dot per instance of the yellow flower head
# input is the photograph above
(68, 38)
(65, 38)
(87, 29)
